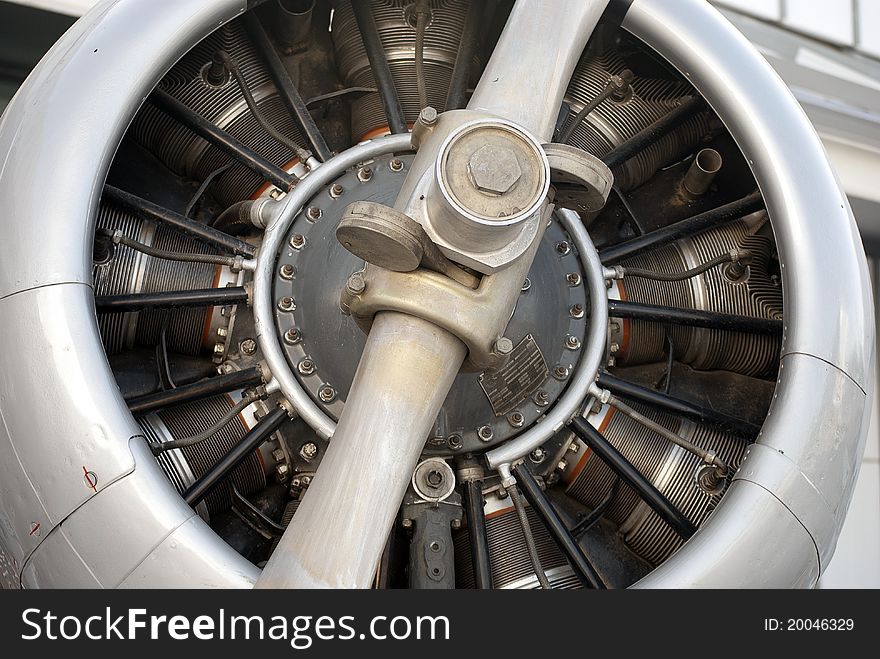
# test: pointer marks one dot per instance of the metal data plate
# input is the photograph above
(522, 374)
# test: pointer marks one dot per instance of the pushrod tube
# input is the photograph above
(560, 533)
(632, 477)
(477, 536)
(200, 390)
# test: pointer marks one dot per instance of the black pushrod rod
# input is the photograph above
(632, 477)
(221, 139)
(200, 297)
(477, 535)
(676, 405)
(693, 318)
(566, 542)
(147, 210)
(725, 214)
(464, 60)
(247, 445)
(189, 393)
(688, 108)
(379, 63)
(286, 88)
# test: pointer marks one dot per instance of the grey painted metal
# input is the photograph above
(62, 414)
(818, 420)
(593, 352)
(273, 241)
(337, 536)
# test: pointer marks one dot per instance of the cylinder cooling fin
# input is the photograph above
(253, 255)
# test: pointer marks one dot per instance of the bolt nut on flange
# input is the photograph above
(503, 346)
(356, 284)
(308, 451)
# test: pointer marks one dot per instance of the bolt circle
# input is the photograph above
(293, 336)
(306, 366)
(327, 394)
(561, 372)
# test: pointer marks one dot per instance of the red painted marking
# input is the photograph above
(89, 479)
(34, 528)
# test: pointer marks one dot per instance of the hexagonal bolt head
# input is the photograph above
(248, 346)
(308, 451)
(356, 284)
(503, 346)
(428, 116)
(494, 169)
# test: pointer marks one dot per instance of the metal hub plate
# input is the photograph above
(323, 345)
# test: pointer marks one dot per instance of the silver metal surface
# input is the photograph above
(529, 70)
(340, 528)
(592, 353)
(273, 240)
(707, 163)
(64, 424)
(832, 344)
